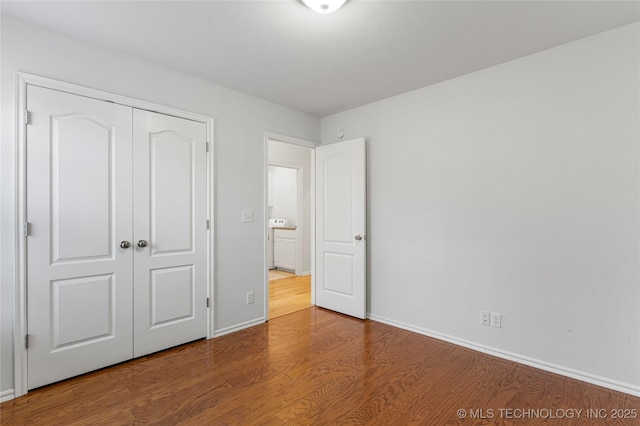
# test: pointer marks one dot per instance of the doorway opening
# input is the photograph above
(289, 225)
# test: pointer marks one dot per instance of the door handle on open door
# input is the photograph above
(358, 237)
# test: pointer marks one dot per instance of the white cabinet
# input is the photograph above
(284, 249)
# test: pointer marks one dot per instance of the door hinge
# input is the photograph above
(207, 146)
(27, 229)
(27, 116)
(207, 302)
(208, 224)
(26, 341)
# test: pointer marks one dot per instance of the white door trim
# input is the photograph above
(300, 142)
(20, 285)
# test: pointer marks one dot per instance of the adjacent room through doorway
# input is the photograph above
(289, 227)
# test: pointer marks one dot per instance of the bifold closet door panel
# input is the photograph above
(79, 210)
(170, 212)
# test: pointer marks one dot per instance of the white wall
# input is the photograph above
(516, 190)
(283, 192)
(298, 156)
(240, 123)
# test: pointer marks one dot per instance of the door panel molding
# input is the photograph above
(174, 148)
(103, 325)
(160, 286)
(66, 188)
(22, 227)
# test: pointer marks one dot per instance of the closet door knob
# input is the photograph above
(142, 243)
(358, 237)
(125, 244)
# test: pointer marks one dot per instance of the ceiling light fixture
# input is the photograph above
(324, 6)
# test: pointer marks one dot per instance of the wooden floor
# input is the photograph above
(276, 274)
(315, 367)
(288, 293)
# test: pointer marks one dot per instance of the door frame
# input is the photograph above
(303, 143)
(20, 284)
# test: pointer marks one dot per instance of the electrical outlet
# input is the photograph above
(484, 318)
(496, 319)
(249, 298)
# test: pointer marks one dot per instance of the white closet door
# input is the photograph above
(170, 209)
(79, 279)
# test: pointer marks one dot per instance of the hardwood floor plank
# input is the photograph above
(276, 274)
(312, 367)
(287, 295)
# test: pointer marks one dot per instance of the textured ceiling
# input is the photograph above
(322, 64)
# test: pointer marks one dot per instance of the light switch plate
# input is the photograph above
(247, 216)
(496, 319)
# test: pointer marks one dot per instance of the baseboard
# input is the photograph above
(7, 395)
(531, 362)
(304, 274)
(238, 327)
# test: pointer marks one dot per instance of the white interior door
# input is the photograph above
(341, 226)
(78, 195)
(170, 213)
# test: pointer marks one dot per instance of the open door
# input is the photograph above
(340, 281)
